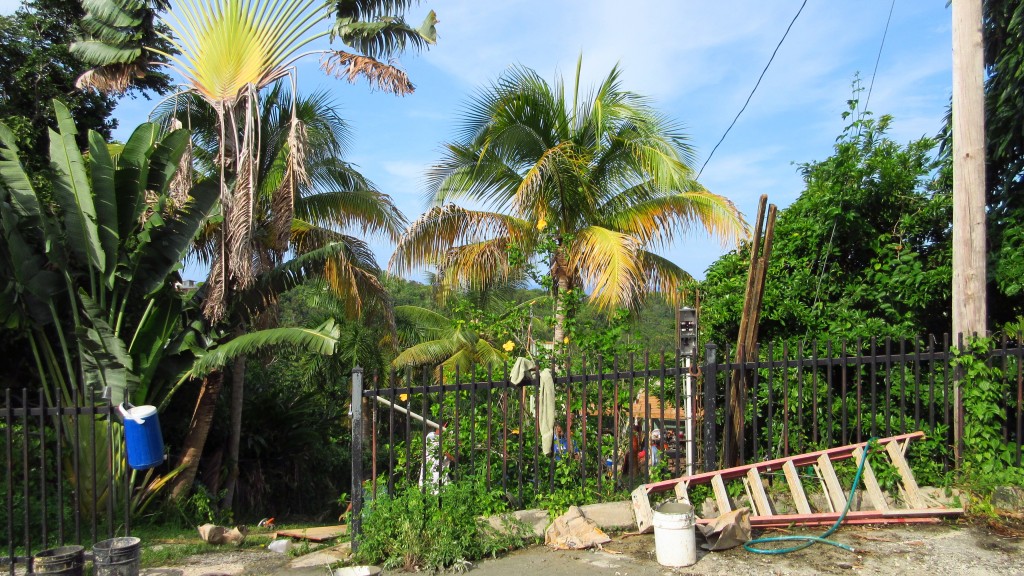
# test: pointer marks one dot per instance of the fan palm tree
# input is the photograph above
(590, 183)
(227, 52)
(325, 201)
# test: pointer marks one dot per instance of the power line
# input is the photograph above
(878, 58)
(759, 78)
(835, 220)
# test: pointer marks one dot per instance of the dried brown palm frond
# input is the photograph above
(239, 230)
(295, 175)
(181, 184)
(216, 287)
(386, 77)
(111, 79)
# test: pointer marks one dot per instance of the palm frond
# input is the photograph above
(382, 76)
(608, 264)
(320, 340)
(657, 221)
(444, 227)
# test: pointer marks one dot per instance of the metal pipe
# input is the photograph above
(409, 413)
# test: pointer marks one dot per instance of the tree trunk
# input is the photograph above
(237, 397)
(198, 430)
(561, 280)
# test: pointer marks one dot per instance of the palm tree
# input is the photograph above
(327, 201)
(227, 52)
(591, 185)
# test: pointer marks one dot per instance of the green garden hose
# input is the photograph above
(806, 541)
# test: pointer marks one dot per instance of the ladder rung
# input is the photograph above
(758, 495)
(875, 494)
(796, 488)
(721, 494)
(833, 489)
(906, 475)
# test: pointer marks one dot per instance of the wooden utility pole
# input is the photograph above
(969, 257)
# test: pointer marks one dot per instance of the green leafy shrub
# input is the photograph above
(417, 530)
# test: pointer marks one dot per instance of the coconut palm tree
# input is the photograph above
(592, 184)
(227, 52)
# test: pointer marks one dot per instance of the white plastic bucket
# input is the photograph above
(674, 541)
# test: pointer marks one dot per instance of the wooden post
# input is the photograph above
(746, 341)
(969, 259)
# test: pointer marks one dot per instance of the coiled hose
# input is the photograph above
(806, 541)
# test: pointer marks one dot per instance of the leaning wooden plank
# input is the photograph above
(721, 495)
(758, 495)
(835, 490)
(875, 495)
(906, 475)
(642, 510)
(796, 488)
(839, 453)
(318, 534)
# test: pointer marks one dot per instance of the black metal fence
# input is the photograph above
(807, 396)
(794, 398)
(424, 430)
(62, 478)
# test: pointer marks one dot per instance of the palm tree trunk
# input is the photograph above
(195, 441)
(237, 397)
(561, 289)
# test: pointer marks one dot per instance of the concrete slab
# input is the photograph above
(611, 515)
(536, 519)
(323, 557)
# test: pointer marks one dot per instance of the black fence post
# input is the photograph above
(355, 524)
(710, 371)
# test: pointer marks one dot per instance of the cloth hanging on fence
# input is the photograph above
(546, 413)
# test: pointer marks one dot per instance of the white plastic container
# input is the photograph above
(675, 543)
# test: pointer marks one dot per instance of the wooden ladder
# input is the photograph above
(762, 513)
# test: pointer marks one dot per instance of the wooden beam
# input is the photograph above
(875, 495)
(757, 494)
(914, 497)
(721, 495)
(834, 490)
(796, 488)
(642, 511)
(852, 517)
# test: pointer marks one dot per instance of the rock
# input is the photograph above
(536, 519)
(1008, 498)
(610, 515)
(708, 509)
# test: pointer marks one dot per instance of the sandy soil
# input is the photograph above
(933, 550)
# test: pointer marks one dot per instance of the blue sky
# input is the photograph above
(698, 61)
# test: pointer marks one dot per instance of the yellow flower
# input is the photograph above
(508, 346)
(565, 340)
(403, 397)
(542, 224)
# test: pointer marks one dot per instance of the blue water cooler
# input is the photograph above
(142, 437)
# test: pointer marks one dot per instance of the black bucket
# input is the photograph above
(116, 557)
(67, 560)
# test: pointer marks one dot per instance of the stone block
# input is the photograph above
(611, 515)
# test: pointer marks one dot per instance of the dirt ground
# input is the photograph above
(934, 550)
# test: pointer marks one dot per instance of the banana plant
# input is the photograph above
(88, 276)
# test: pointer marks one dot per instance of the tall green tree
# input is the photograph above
(333, 208)
(229, 51)
(864, 251)
(588, 184)
(38, 68)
